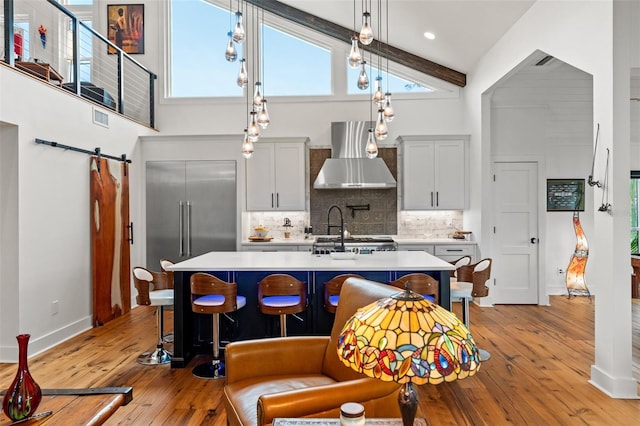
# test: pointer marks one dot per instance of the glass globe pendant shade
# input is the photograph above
(378, 95)
(372, 146)
(355, 57)
(381, 126)
(366, 33)
(238, 31)
(257, 97)
(263, 115)
(247, 146)
(363, 80)
(388, 113)
(230, 54)
(243, 78)
(253, 131)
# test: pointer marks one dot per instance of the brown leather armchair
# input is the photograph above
(302, 376)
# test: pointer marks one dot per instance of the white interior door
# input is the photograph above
(515, 228)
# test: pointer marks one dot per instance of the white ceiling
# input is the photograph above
(465, 29)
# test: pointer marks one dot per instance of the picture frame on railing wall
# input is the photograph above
(125, 24)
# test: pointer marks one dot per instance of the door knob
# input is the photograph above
(534, 240)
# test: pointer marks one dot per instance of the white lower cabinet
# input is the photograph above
(447, 252)
(417, 247)
(451, 252)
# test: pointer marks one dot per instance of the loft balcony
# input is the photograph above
(45, 40)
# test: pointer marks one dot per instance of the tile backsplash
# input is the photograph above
(411, 224)
(429, 224)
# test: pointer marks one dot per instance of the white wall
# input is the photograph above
(582, 34)
(51, 187)
(546, 113)
(289, 117)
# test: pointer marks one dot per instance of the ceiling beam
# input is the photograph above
(344, 34)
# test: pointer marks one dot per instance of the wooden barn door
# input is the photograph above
(110, 239)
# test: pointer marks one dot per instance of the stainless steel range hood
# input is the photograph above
(348, 167)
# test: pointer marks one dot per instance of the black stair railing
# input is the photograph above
(89, 64)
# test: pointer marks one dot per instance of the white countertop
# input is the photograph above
(399, 240)
(304, 261)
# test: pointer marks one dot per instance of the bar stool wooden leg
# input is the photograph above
(283, 325)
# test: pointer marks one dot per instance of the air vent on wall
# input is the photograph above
(544, 61)
(100, 118)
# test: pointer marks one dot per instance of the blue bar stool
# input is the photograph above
(420, 283)
(332, 291)
(282, 295)
(211, 295)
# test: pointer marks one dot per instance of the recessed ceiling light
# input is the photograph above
(429, 35)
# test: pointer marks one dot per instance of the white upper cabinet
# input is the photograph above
(276, 176)
(435, 173)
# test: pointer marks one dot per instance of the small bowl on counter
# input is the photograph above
(261, 232)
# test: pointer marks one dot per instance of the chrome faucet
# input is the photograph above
(341, 226)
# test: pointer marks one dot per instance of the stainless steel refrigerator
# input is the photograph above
(191, 209)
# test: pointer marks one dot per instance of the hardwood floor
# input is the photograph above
(537, 375)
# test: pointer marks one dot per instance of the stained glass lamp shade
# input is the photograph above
(406, 339)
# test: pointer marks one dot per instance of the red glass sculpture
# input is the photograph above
(24, 394)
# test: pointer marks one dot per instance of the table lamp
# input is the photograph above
(406, 339)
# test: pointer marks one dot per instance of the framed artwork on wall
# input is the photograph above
(125, 23)
(565, 195)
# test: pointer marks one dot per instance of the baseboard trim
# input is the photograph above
(41, 344)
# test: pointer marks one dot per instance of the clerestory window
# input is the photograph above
(290, 66)
(294, 61)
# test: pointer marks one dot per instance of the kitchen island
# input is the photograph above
(192, 331)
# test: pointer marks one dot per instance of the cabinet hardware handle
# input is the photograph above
(448, 250)
(188, 227)
(437, 199)
(277, 200)
(431, 198)
(272, 200)
(180, 229)
(130, 226)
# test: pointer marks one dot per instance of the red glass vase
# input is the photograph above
(24, 394)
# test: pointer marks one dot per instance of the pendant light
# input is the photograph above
(257, 97)
(247, 146)
(372, 146)
(363, 80)
(388, 113)
(253, 131)
(378, 95)
(263, 116)
(243, 78)
(381, 126)
(354, 55)
(230, 54)
(366, 33)
(371, 149)
(238, 31)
